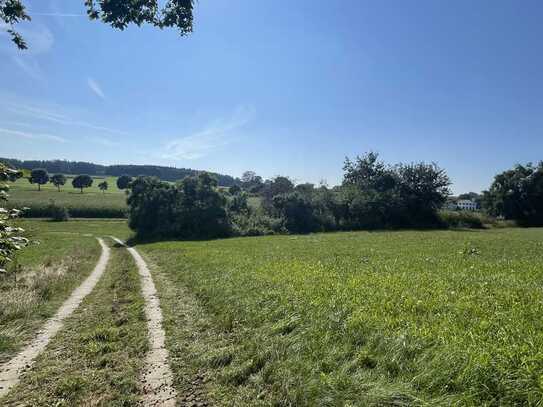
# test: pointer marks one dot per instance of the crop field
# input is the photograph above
(91, 203)
(356, 319)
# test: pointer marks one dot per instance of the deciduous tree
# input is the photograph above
(58, 180)
(39, 176)
(124, 181)
(82, 181)
(117, 13)
(103, 186)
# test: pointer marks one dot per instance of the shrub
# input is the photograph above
(462, 219)
(256, 224)
(57, 213)
(192, 209)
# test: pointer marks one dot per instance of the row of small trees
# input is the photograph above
(40, 176)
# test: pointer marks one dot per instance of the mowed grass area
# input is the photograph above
(59, 258)
(96, 359)
(357, 319)
(91, 203)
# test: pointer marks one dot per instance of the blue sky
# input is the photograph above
(283, 87)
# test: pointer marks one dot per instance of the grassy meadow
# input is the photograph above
(96, 359)
(407, 318)
(357, 319)
(92, 203)
(59, 258)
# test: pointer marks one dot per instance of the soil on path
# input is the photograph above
(11, 371)
(157, 377)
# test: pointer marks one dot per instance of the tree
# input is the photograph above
(378, 195)
(39, 176)
(58, 180)
(248, 177)
(117, 13)
(10, 236)
(234, 190)
(517, 194)
(82, 181)
(194, 208)
(124, 181)
(103, 186)
(297, 211)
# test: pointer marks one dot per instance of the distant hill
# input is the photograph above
(80, 167)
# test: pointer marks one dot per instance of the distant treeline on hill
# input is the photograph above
(79, 167)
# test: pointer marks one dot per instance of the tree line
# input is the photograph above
(372, 195)
(40, 176)
(80, 167)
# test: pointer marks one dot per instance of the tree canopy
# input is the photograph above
(117, 13)
(39, 176)
(58, 180)
(82, 181)
(517, 194)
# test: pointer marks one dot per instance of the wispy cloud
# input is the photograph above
(59, 118)
(216, 134)
(57, 14)
(29, 66)
(102, 141)
(31, 136)
(93, 85)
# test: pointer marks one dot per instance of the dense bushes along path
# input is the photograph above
(10, 371)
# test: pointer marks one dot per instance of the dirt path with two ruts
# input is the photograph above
(11, 371)
(156, 379)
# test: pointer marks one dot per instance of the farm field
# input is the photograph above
(92, 203)
(338, 319)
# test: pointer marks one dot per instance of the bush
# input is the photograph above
(256, 224)
(463, 219)
(57, 213)
(192, 209)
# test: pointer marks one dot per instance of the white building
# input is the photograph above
(467, 205)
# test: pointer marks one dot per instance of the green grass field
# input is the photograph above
(91, 203)
(356, 319)
(59, 257)
(406, 318)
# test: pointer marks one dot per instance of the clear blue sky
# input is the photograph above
(283, 87)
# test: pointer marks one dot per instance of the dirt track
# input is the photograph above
(11, 371)
(157, 378)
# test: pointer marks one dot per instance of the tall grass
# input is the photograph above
(381, 318)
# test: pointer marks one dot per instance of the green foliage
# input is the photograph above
(118, 14)
(124, 181)
(463, 219)
(377, 195)
(39, 176)
(103, 186)
(11, 239)
(57, 213)
(82, 181)
(13, 12)
(297, 211)
(193, 208)
(234, 190)
(517, 194)
(58, 180)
